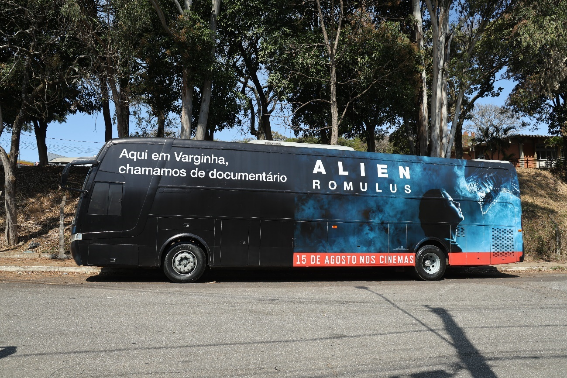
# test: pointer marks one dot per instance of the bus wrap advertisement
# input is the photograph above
(259, 205)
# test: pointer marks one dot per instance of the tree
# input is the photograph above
(195, 43)
(208, 81)
(345, 68)
(468, 50)
(109, 31)
(155, 85)
(492, 126)
(37, 59)
(540, 64)
(332, 19)
(248, 32)
(421, 98)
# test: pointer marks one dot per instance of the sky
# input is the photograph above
(83, 135)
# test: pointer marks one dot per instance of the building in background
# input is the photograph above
(522, 150)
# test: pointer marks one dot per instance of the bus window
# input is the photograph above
(106, 199)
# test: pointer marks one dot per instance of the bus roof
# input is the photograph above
(304, 145)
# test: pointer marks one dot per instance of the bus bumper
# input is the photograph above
(484, 258)
(75, 252)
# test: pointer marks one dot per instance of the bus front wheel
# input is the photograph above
(430, 263)
(184, 262)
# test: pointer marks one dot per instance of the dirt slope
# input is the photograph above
(544, 218)
(39, 198)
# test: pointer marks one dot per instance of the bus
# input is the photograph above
(184, 205)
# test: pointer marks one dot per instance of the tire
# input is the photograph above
(430, 263)
(184, 262)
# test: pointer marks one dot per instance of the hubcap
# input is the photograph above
(184, 262)
(431, 263)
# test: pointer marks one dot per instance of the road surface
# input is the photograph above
(353, 323)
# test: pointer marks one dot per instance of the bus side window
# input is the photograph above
(106, 199)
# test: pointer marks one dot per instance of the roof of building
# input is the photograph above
(530, 136)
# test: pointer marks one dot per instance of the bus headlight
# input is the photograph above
(78, 236)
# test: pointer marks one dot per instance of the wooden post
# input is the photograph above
(62, 228)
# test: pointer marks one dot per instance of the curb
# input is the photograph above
(558, 268)
(97, 270)
(56, 269)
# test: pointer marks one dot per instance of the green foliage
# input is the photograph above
(226, 103)
(398, 141)
(555, 141)
(540, 40)
(376, 70)
(356, 143)
(40, 62)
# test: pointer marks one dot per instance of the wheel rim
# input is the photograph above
(184, 262)
(431, 263)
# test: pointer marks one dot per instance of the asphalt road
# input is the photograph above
(285, 324)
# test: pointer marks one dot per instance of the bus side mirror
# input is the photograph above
(67, 169)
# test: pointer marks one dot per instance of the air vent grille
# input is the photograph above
(502, 240)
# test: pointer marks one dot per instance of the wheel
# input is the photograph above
(184, 262)
(430, 263)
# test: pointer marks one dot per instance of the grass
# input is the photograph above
(544, 218)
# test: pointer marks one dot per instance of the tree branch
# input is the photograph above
(161, 17)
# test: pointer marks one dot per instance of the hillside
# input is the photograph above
(544, 218)
(39, 199)
(544, 200)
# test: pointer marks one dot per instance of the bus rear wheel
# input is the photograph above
(430, 263)
(184, 262)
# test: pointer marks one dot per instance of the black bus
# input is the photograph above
(183, 205)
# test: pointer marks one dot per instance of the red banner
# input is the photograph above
(310, 260)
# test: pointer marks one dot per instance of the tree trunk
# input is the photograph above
(370, 137)
(201, 130)
(411, 139)
(265, 127)
(459, 140)
(186, 85)
(564, 135)
(208, 84)
(11, 224)
(105, 109)
(40, 129)
(331, 47)
(252, 116)
(264, 130)
(122, 118)
(62, 228)
(334, 105)
(455, 125)
(439, 21)
(210, 134)
(423, 113)
(10, 164)
(186, 106)
(122, 107)
(324, 135)
(107, 120)
(160, 123)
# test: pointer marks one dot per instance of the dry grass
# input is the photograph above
(38, 198)
(544, 201)
(544, 218)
